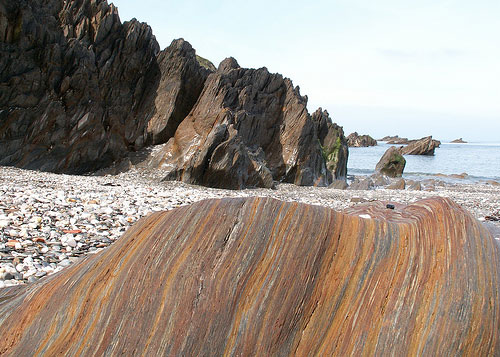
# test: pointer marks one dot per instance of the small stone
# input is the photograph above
(11, 243)
(64, 263)
(8, 276)
(19, 267)
(72, 231)
(40, 274)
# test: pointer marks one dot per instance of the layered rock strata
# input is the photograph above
(259, 276)
(251, 128)
(424, 146)
(392, 163)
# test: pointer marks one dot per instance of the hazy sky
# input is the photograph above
(386, 67)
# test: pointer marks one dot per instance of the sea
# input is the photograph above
(480, 161)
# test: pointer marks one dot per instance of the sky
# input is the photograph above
(386, 67)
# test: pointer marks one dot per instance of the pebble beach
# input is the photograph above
(49, 221)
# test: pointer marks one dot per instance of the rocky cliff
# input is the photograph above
(263, 277)
(79, 90)
(251, 128)
(74, 80)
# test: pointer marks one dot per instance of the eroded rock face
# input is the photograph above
(250, 128)
(74, 80)
(424, 146)
(79, 89)
(182, 80)
(333, 144)
(356, 140)
(392, 163)
(258, 276)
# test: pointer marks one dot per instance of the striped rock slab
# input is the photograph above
(263, 277)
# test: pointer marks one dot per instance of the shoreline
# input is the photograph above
(48, 221)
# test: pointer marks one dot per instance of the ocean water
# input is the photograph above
(480, 161)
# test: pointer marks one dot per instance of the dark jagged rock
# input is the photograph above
(392, 163)
(79, 89)
(356, 140)
(206, 63)
(74, 82)
(250, 128)
(459, 141)
(182, 80)
(260, 277)
(424, 146)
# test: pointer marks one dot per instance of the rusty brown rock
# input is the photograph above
(258, 276)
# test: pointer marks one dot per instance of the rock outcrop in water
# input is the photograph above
(356, 140)
(392, 163)
(424, 146)
(79, 90)
(395, 140)
(264, 277)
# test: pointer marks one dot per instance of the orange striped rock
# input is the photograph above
(263, 277)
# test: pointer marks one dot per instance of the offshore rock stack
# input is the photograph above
(258, 276)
